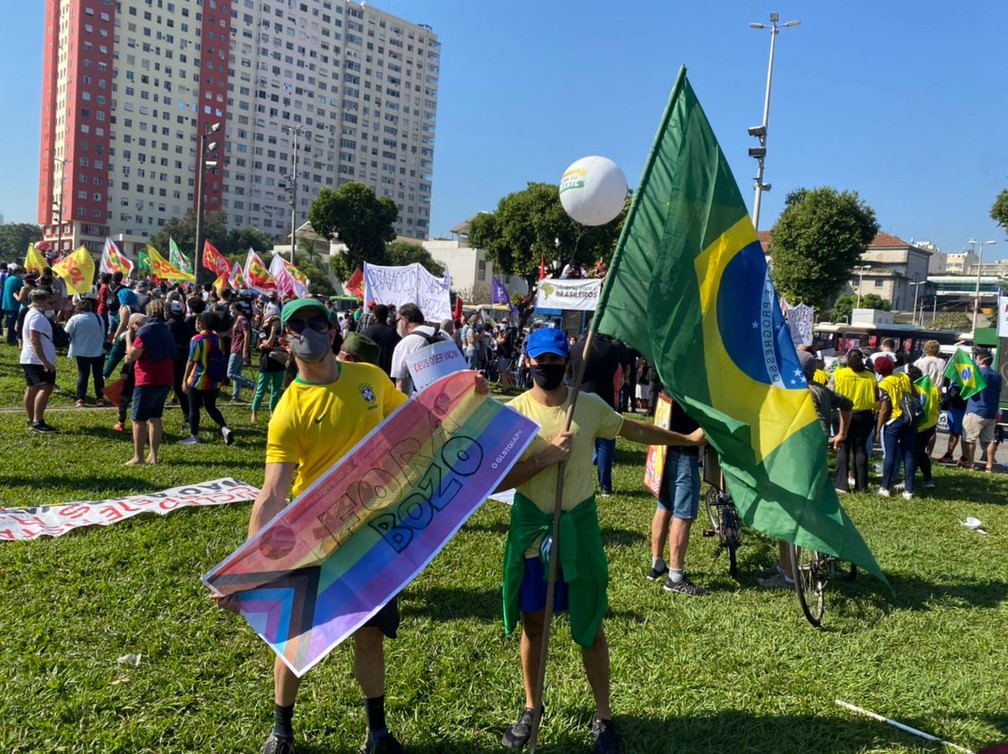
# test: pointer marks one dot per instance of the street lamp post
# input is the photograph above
(57, 207)
(760, 131)
(204, 152)
(295, 131)
(976, 299)
(916, 286)
(861, 271)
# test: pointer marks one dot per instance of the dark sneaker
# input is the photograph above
(604, 733)
(685, 586)
(384, 744)
(228, 435)
(518, 734)
(276, 745)
(43, 428)
(654, 574)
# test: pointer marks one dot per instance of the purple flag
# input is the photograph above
(498, 293)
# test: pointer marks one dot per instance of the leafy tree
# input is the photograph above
(14, 240)
(183, 231)
(316, 267)
(476, 295)
(999, 212)
(846, 303)
(531, 223)
(957, 321)
(401, 253)
(239, 240)
(353, 214)
(816, 242)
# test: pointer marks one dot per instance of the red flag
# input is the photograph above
(542, 267)
(457, 314)
(214, 260)
(353, 285)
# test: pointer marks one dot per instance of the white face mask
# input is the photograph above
(50, 313)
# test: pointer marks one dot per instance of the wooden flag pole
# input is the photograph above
(537, 697)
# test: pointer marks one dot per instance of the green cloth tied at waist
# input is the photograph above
(583, 564)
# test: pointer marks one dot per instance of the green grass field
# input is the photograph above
(738, 671)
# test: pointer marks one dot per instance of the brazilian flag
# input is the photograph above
(144, 263)
(965, 372)
(928, 393)
(689, 288)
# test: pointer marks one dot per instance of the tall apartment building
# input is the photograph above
(344, 91)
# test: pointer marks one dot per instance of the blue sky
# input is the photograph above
(901, 101)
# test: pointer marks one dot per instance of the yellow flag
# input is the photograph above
(77, 270)
(164, 269)
(35, 261)
(220, 284)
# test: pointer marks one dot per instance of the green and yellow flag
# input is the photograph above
(689, 288)
(165, 270)
(144, 263)
(179, 260)
(964, 371)
(928, 392)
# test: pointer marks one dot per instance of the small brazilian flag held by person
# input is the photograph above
(964, 372)
(689, 288)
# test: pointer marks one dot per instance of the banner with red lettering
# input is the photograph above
(54, 520)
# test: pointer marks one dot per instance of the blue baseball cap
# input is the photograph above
(548, 340)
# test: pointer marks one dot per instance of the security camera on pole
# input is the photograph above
(760, 131)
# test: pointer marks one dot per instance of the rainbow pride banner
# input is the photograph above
(368, 526)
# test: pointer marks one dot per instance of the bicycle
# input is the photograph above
(812, 573)
(721, 512)
(724, 524)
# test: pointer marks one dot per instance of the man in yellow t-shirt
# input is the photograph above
(327, 409)
(897, 433)
(583, 571)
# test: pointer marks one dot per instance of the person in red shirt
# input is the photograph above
(151, 348)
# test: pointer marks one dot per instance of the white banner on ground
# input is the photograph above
(409, 284)
(578, 294)
(431, 363)
(54, 520)
(1002, 325)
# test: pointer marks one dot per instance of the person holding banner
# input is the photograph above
(584, 571)
(325, 412)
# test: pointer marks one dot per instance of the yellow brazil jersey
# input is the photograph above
(820, 376)
(315, 425)
(860, 387)
(592, 418)
(896, 385)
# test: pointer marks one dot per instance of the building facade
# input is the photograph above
(308, 94)
(894, 270)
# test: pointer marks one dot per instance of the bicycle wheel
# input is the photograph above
(805, 566)
(713, 509)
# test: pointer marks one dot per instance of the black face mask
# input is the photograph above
(548, 376)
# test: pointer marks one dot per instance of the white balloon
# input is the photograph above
(593, 190)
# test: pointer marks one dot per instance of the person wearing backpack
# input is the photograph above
(895, 426)
(205, 371)
(415, 335)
